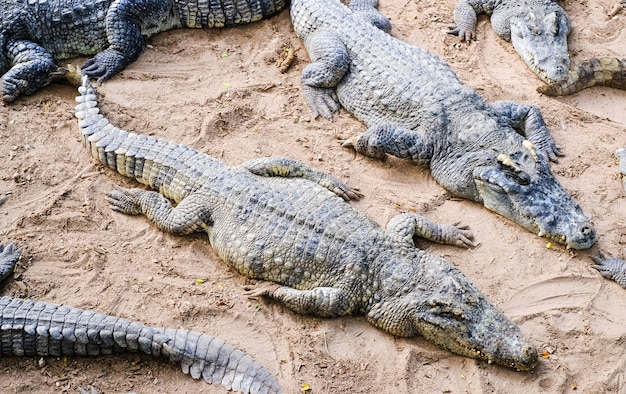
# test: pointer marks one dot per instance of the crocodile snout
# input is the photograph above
(585, 237)
(528, 358)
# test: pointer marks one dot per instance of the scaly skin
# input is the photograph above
(416, 108)
(602, 71)
(538, 30)
(278, 220)
(611, 268)
(29, 328)
(35, 34)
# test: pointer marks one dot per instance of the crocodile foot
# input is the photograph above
(260, 289)
(323, 101)
(124, 201)
(104, 65)
(611, 268)
(10, 253)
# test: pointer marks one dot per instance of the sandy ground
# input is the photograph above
(220, 92)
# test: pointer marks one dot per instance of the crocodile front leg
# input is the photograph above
(33, 67)
(407, 225)
(377, 141)
(528, 122)
(124, 22)
(330, 62)
(191, 215)
(465, 17)
(611, 268)
(289, 168)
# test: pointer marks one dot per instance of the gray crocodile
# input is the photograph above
(538, 30)
(29, 328)
(601, 71)
(278, 220)
(35, 34)
(416, 108)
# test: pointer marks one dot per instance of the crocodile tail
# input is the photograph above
(217, 362)
(208, 13)
(173, 169)
(29, 328)
(603, 71)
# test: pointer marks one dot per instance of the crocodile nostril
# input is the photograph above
(586, 231)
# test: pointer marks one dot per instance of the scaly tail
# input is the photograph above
(29, 328)
(603, 71)
(173, 169)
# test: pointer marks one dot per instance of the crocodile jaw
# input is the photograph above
(541, 40)
(501, 341)
(542, 207)
(456, 316)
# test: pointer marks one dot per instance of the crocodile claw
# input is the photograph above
(460, 235)
(323, 101)
(124, 201)
(104, 65)
(610, 268)
(463, 33)
(260, 289)
(10, 253)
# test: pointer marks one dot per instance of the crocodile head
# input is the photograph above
(422, 294)
(521, 187)
(541, 40)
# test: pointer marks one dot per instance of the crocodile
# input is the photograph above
(538, 30)
(416, 108)
(291, 227)
(597, 71)
(35, 34)
(36, 328)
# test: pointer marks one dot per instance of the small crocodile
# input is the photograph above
(279, 220)
(538, 30)
(416, 108)
(601, 71)
(33, 34)
(29, 328)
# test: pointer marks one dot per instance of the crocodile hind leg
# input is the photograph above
(527, 121)
(191, 215)
(330, 62)
(33, 67)
(123, 27)
(320, 301)
(366, 9)
(377, 141)
(407, 225)
(289, 168)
